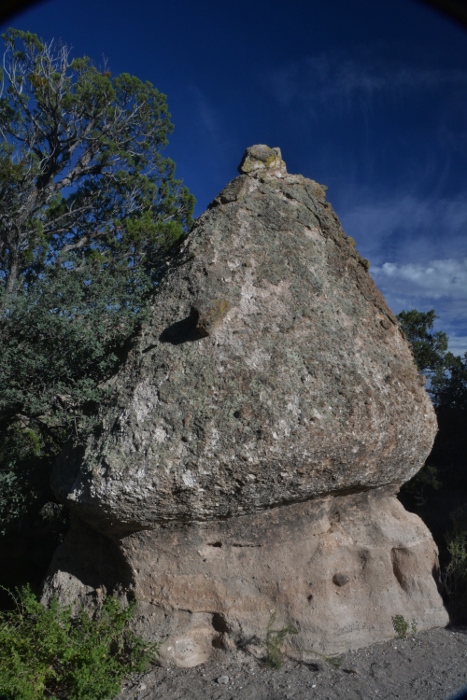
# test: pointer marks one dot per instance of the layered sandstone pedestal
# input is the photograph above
(244, 475)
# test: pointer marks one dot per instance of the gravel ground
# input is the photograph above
(430, 666)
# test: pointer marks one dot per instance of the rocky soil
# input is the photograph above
(430, 666)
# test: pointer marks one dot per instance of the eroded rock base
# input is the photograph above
(336, 569)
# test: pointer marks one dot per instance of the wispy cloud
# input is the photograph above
(337, 76)
(208, 116)
(406, 228)
(410, 222)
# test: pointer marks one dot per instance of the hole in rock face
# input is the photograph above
(309, 597)
(215, 544)
(219, 623)
(245, 544)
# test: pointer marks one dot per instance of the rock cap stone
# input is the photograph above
(262, 158)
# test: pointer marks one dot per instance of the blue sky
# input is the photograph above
(368, 98)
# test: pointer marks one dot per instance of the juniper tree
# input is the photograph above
(447, 372)
(428, 348)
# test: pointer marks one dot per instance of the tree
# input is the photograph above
(447, 372)
(90, 215)
(450, 391)
(81, 175)
(438, 492)
(429, 349)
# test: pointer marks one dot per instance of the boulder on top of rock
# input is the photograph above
(271, 372)
(262, 157)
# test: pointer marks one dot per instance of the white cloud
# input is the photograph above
(440, 285)
(439, 279)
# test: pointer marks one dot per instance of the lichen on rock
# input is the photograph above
(262, 158)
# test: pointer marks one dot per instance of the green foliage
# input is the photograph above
(447, 372)
(440, 486)
(450, 391)
(90, 216)
(275, 641)
(61, 340)
(402, 628)
(24, 478)
(429, 349)
(47, 653)
(455, 576)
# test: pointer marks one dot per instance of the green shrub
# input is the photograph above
(45, 652)
(25, 470)
(402, 628)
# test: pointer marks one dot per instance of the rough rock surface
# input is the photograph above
(336, 569)
(272, 372)
(243, 479)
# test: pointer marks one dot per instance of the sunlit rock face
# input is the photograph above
(272, 371)
(247, 460)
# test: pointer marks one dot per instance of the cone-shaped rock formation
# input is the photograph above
(259, 430)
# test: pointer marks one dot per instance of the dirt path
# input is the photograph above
(430, 666)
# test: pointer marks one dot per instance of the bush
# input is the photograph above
(25, 469)
(402, 628)
(45, 652)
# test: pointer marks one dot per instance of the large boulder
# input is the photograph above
(242, 480)
(272, 371)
